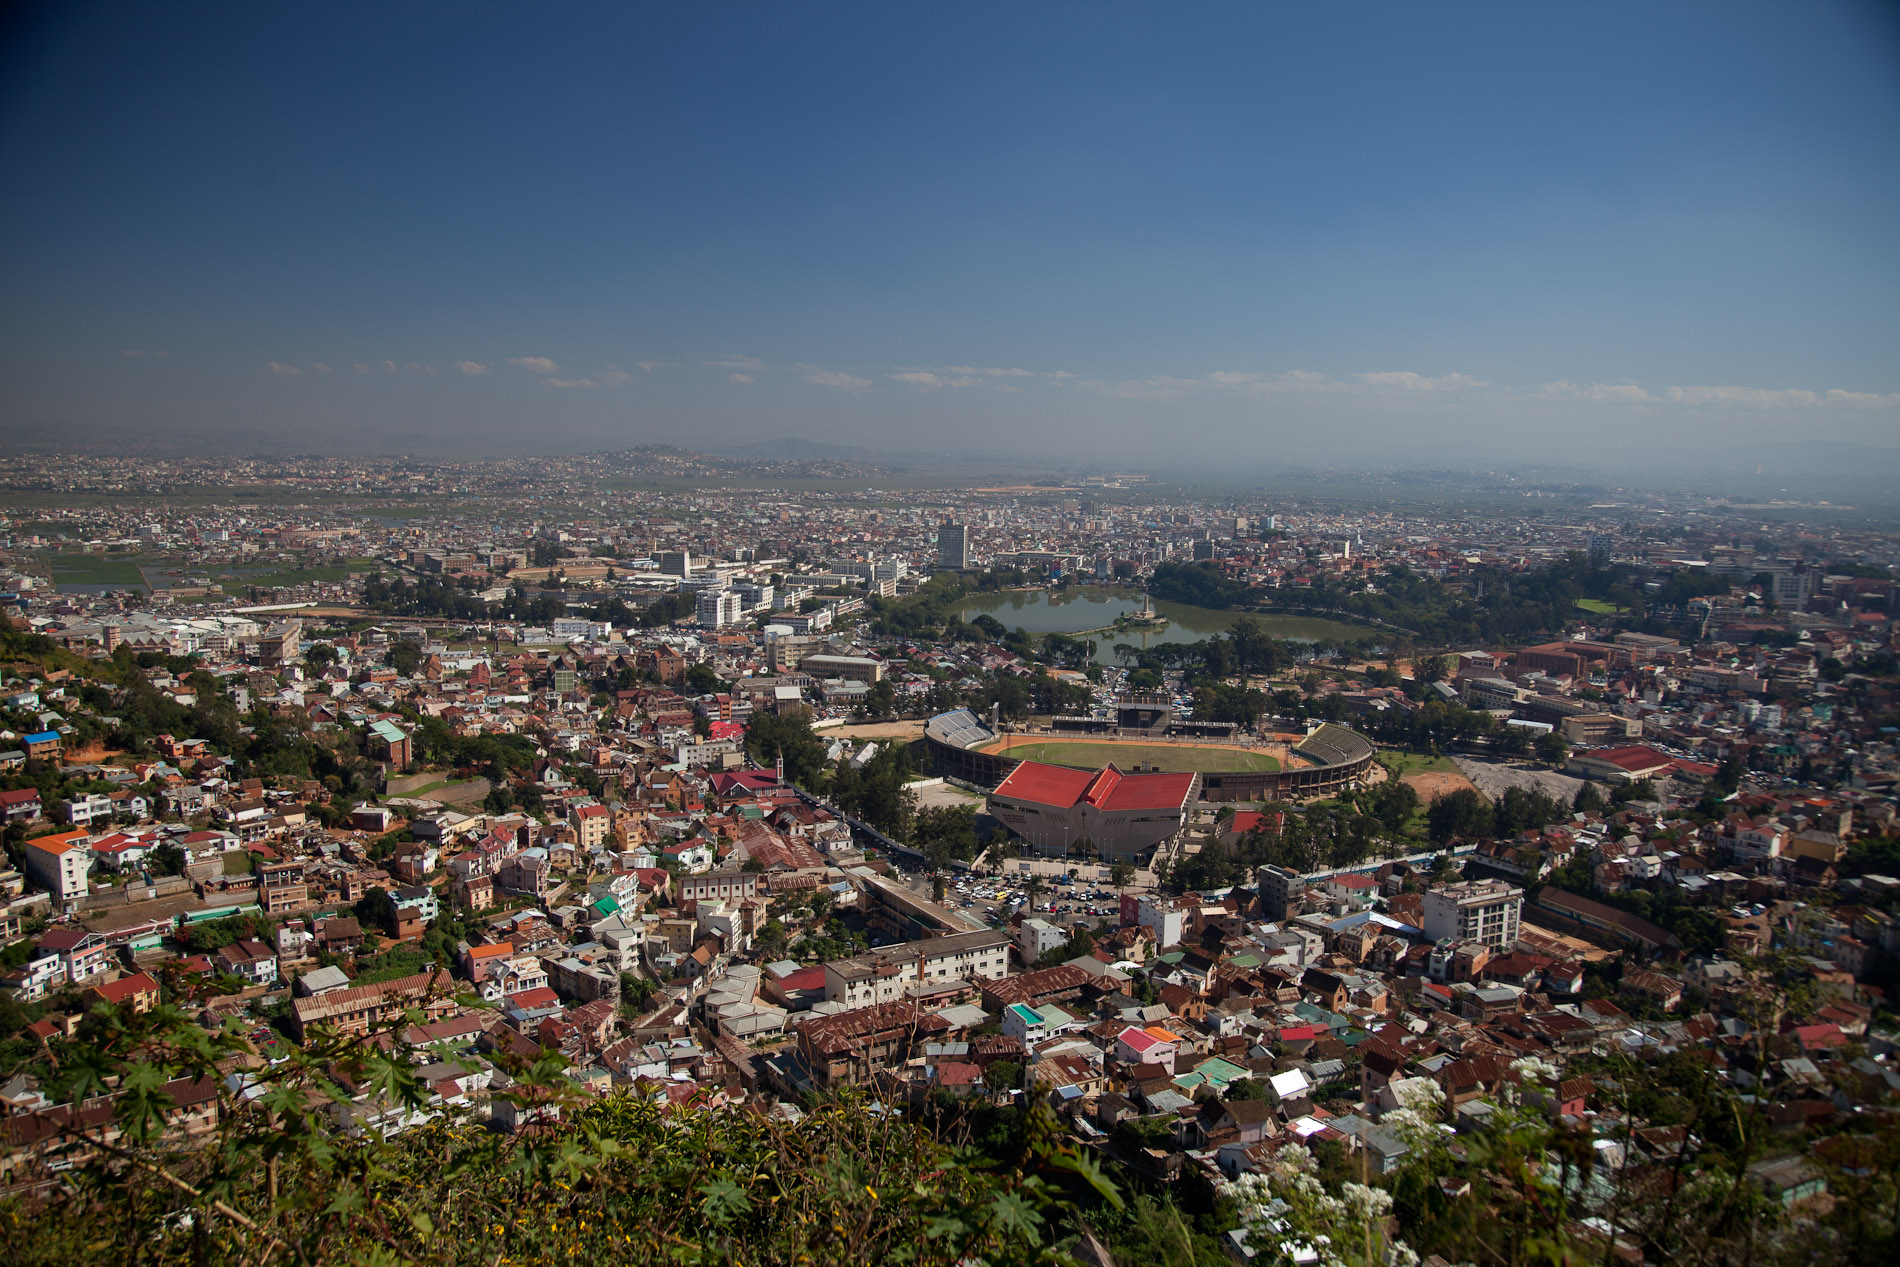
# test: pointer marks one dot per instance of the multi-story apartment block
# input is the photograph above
(884, 975)
(59, 865)
(719, 609)
(1484, 911)
(281, 887)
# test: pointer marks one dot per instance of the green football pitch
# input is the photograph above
(1168, 756)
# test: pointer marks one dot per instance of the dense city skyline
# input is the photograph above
(1480, 235)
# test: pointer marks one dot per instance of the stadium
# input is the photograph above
(1328, 760)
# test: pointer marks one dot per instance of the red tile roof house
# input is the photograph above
(21, 805)
(1819, 1038)
(1150, 1046)
(139, 991)
(118, 851)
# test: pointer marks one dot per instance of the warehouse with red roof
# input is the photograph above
(1107, 814)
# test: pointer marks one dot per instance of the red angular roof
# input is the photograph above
(1045, 784)
(1634, 758)
(1106, 789)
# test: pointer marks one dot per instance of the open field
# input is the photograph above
(1404, 763)
(303, 576)
(119, 570)
(450, 791)
(1600, 606)
(1088, 754)
(1431, 777)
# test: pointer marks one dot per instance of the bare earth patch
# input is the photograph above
(878, 730)
(1432, 784)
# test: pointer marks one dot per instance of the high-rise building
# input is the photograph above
(719, 608)
(1483, 911)
(676, 562)
(953, 546)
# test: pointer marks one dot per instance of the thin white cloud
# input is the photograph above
(1229, 382)
(997, 377)
(928, 378)
(1406, 380)
(1157, 387)
(1602, 393)
(1749, 397)
(1862, 400)
(1165, 386)
(836, 378)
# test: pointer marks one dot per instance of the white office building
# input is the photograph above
(1484, 911)
(718, 609)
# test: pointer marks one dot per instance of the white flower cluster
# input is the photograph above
(1288, 1217)
(1421, 1104)
(1536, 1069)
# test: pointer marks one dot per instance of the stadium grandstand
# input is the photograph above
(1332, 758)
(956, 740)
(1338, 759)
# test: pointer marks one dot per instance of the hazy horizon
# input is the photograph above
(1108, 235)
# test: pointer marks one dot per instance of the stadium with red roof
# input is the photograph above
(1105, 813)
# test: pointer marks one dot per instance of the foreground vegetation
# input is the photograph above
(628, 1179)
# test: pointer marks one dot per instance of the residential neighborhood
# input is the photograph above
(764, 851)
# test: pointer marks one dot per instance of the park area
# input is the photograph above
(1090, 755)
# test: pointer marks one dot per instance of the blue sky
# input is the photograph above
(1311, 232)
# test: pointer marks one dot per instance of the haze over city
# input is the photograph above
(1048, 233)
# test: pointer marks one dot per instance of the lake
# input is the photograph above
(1091, 607)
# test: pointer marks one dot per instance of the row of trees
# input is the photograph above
(1497, 606)
(1339, 833)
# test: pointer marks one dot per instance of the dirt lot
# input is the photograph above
(877, 730)
(946, 796)
(1432, 784)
